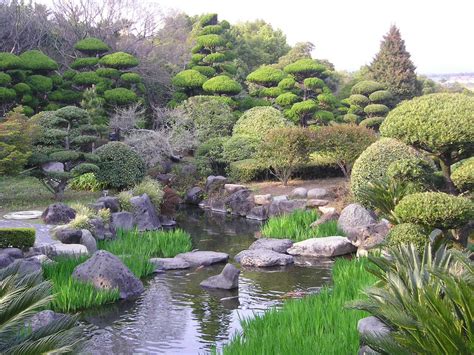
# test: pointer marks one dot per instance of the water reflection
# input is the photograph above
(175, 315)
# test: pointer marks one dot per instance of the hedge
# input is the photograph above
(131, 78)
(214, 58)
(21, 238)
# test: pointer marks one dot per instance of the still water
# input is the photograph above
(176, 316)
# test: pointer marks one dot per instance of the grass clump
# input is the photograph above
(296, 226)
(317, 324)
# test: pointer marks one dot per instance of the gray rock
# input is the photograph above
(325, 209)
(215, 183)
(278, 245)
(231, 188)
(97, 229)
(280, 207)
(170, 263)
(88, 241)
(5, 260)
(68, 235)
(144, 213)
(194, 196)
(60, 249)
(121, 220)
(203, 258)
(367, 350)
(97, 206)
(12, 252)
(372, 326)
(323, 247)
(53, 167)
(44, 318)
(41, 258)
(167, 221)
(334, 216)
(355, 215)
(280, 198)
(27, 266)
(239, 203)
(299, 192)
(217, 205)
(58, 213)
(262, 199)
(370, 236)
(259, 213)
(319, 193)
(316, 203)
(263, 258)
(228, 279)
(112, 203)
(105, 271)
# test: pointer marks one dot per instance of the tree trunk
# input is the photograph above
(59, 190)
(446, 169)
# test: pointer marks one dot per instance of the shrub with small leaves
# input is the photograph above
(86, 78)
(210, 41)
(124, 200)
(258, 121)
(222, 84)
(287, 99)
(372, 122)
(266, 76)
(40, 83)
(359, 100)
(37, 61)
(81, 63)
(463, 174)
(91, 45)
(189, 79)
(21, 238)
(406, 234)
(376, 110)
(240, 147)
(366, 87)
(120, 96)
(119, 60)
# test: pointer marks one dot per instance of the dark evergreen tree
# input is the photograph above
(393, 67)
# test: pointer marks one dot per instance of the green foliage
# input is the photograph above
(37, 61)
(266, 76)
(239, 147)
(258, 121)
(91, 45)
(323, 116)
(131, 78)
(359, 100)
(246, 170)
(40, 83)
(190, 78)
(414, 171)
(222, 84)
(287, 99)
(210, 41)
(22, 88)
(9, 61)
(119, 60)
(21, 238)
(306, 67)
(463, 175)
(208, 20)
(108, 73)
(86, 78)
(209, 156)
(351, 119)
(372, 122)
(214, 58)
(124, 200)
(80, 63)
(64, 96)
(373, 163)
(435, 210)
(247, 102)
(314, 83)
(366, 87)
(270, 92)
(120, 96)
(86, 182)
(153, 189)
(5, 79)
(7, 95)
(381, 96)
(406, 234)
(287, 84)
(211, 29)
(120, 167)
(307, 106)
(205, 70)
(376, 110)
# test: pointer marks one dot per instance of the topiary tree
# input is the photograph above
(258, 121)
(266, 79)
(240, 147)
(120, 166)
(406, 234)
(91, 46)
(440, 124)
(62, 145)
(463, 175)
(284, 149)
(222, 85)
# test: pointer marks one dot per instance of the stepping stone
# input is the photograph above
(203, 258)
(228, 279)
(323, 247)
(22, 215)
(278, 245)
(170, 263)
(263, 258)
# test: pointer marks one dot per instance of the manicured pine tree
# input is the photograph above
(393, 67)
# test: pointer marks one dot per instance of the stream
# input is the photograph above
(176, 316)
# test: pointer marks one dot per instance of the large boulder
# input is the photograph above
(27, 266)
(88, 241)
(240, 202)
(105, 271)
(68, 235)
(280, 207)
(278, 245)
(355, 215)
(97, 228)
(58, 213)
(194, 196)
(259, 213)
(372, 326)
(299, 193)
(121, 220)
(333, 216)
(170, 263)
(323, 247)
(217, 204)
(112, 203)
(262, 199)
(215, 183)
(231, 188)
(228, 279)
(319, 193)
(9, 255)
(263, 258)
(144, 213)
(60, 249)
(203, 258)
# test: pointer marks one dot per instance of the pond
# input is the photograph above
(175, 315)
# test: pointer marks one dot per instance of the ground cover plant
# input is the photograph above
(315, 324)
(296, 226)
(73, 295)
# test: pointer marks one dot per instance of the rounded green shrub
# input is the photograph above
(229, 68)
(435, 210)
(373, 163)
(416, 171)
(438, 123)
(210, 41)
(22, 88)
(40, 83)
(208, 20)
(214, 58)
(463, 174)
(57, 79)
(91, 45)
(80, 63)
(306, 66)
(9, 61)
(380, 96)
(209, 156)
(351, 118)
(131, 78)
(324, 116)
(366, 87)
(287, 99)
(69, 74)
(102, 86)
(359, 100)
(287, 84)
(303, 107)
(119, 60)
(372, 122)
(327, 101)
(7, 95)
(120, 96)
(270, 92)
(266, 76)
(314, 83)
(197, 57)
(52, 107)
(120, 167)
(86, 78)
(196, 49)
(222, 84)
(356, 110)
(239, 147)
(189, 79)
(258, 121)
(65, 96)
(376, 110)
(211, 29)
(27, 110)
(21, 238)
(205, 70)
(37, 61)
(407, 233)
(5, 79)
(108, 73)
(247, 102)
(246, 170)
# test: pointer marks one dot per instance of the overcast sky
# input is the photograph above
(439, 34)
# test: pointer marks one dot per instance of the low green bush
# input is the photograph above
(372, 122)
(209, 157)
(351, 118)
(120, 96)
(214, 58)
(287, 84)
(305, 66)
(463, 174)
(435, 210)
(269, 92)
(7, 95)
(210, 41)
(119, 60)
(376, 110)
(266, 76)
(205, 70)
(40, 83)
(380, 96)
(359, 100)
(211, 29)
(190, 78)
(222, 84)
(246, 170)
(86, 78)
(239, 147)
(415, 172)
(5, 79)
(108, 73)
(86, 182)
(37, 60)
(80, 63)
(406, 234)
(22, 88)
(131, 78)
(258, 121)
(21, 238)
(287, 99)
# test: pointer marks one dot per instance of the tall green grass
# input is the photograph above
(133, 248)
(317, 324)
(296, 226)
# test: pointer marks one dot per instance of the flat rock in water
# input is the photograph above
(203, 258)
(228, 279)
(263, 258)
(278, 245)
(323, 247)
(170, 263)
